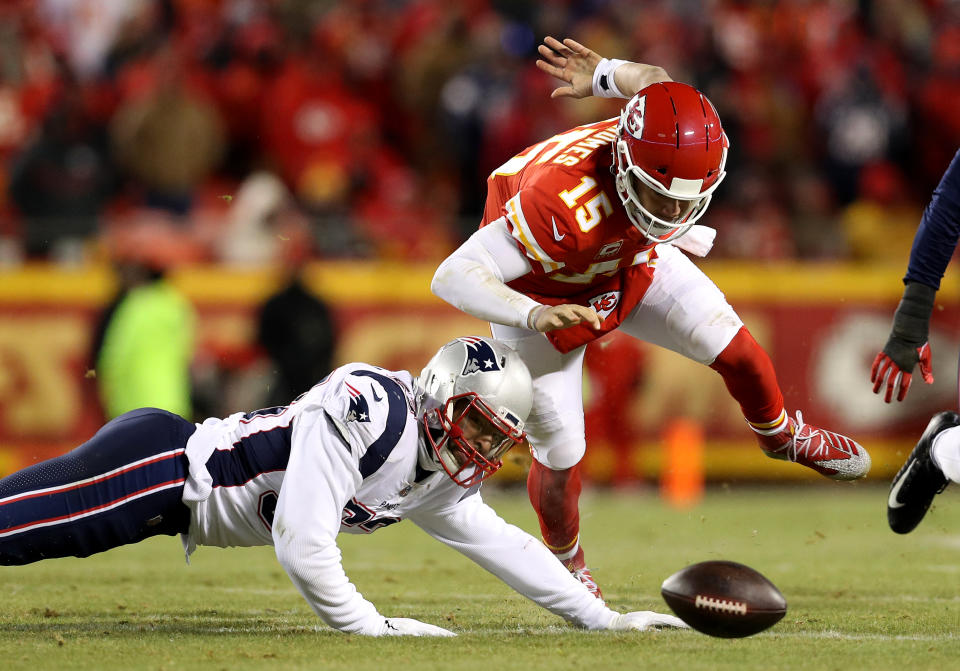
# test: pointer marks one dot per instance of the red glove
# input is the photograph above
(907, 345)
(897, 376)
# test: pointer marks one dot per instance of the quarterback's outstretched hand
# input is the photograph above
(645, 620)
(552, 317)
(907, 345)
(588, 74)
(570, 61)
(405, 626)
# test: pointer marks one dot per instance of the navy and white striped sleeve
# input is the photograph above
(936, 238)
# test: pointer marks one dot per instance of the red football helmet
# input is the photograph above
(670, 142)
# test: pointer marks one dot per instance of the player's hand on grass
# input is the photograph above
(406, 626)
(645, 620)
(570, 61)
(552, 317)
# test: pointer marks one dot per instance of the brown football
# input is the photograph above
(724, 598)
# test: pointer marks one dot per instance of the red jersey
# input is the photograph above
(561, 205)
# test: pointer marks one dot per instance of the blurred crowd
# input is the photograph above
(237, 130)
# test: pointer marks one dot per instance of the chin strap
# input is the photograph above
(426, 459)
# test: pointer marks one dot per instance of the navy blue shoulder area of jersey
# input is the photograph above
(378, 451)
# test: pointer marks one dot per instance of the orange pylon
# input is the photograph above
(682, 475)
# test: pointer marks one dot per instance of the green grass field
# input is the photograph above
(859, 596)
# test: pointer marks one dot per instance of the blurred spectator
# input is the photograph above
(240, 59)
(86, 31)
(401, 216)
(881, 223)
(861, 124)
(171, 139)
(753, 224)
(63, 179)
(383, 118)
(144, 340)
(611, 423)
(297, 330)
(433, 42)
(816, 231)
(261, 221)
(324, 142)
(938, 124)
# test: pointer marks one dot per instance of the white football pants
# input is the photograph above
(946, 452)
(682, 310)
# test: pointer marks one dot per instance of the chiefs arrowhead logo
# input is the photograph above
(634, 117)
(609, 249)
(605, 303)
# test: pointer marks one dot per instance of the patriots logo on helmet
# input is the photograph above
(359, 411)
(480, 357)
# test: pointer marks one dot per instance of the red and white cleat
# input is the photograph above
(578, 568)
(828, 453)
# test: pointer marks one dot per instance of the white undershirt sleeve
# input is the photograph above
(473, 278)
(520, 560)
(321, 478)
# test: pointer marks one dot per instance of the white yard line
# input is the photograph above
(839, 635)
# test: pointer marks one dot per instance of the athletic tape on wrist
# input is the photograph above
(604, 85)
(911, 321)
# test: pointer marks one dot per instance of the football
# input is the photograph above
(724, 598)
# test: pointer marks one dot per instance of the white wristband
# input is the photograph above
(533, 314)
(604, 85)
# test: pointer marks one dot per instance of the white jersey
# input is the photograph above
(344, 457)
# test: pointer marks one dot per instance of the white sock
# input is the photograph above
(945, 452)
(564, 556)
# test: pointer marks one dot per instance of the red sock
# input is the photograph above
(555, 496)
(748, 373)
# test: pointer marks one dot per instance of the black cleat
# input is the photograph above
(919, 479)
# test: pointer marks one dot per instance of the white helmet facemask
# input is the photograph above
(631, 179)
(669, 146)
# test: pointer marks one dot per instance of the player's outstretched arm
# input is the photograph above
(474, 529)
(587, 73)
(552, 317)
(933, 247)
(319, 481)
(473, 279)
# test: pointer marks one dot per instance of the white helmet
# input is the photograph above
(478, 395)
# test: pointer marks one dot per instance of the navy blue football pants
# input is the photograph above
(121, 486)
